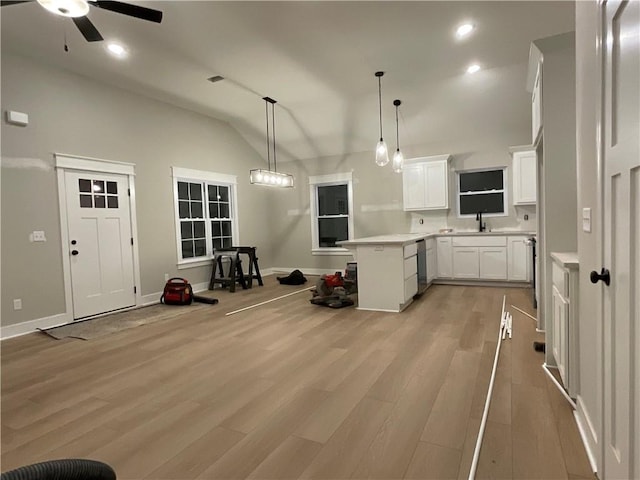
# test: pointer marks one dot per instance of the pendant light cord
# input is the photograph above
(397, 136)
(380, 103)
(266, 111)
(273, 127)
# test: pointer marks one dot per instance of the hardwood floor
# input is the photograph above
(294, 390)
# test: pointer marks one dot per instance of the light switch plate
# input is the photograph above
(38, 236)
(586, 220)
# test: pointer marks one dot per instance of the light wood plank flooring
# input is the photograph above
(294, 390)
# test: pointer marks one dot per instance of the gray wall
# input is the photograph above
(73, 115)
(589, 251)
(378, 193)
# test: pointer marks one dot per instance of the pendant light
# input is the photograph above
(398, 158)
(270, 178)
(382, 154)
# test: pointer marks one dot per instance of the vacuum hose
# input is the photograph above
(66, 469)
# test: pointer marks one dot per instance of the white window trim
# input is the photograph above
(199, 176)
(504, 191)
(327, 180)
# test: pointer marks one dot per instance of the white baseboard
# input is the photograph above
(31, 326)
(587, 432)
(307, 271)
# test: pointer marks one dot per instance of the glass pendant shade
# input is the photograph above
(398, 161)
(382, 153)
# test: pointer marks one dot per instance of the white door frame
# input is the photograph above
(66, 163)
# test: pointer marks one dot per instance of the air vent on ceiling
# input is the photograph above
(215, 78)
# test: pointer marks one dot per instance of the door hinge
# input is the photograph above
(131, 240)
(135, 289)
(129, 191)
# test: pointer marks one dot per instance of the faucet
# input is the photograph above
(481, 227)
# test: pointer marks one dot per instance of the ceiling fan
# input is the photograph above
(78, 9)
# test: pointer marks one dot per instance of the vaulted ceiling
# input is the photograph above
(317, 59)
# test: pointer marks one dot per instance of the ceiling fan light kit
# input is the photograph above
(77, 10)
(66, 8)
(270, 178)
(382, 154)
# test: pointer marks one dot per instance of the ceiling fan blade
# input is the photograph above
(88, 30)
(129, 9)
(5, 3)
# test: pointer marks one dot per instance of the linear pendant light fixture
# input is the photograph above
(270, 178)
(398, 158)
(382, 154)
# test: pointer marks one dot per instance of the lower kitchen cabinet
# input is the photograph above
(493, 263)
(444, 257)
(466, 263)
(432, 260)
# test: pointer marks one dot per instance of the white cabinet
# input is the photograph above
(410, 271)
(525, 170)
(466, 263)
(518, 259)
(432, 261)
(444, 257)
(564, 323)
(536, 105)
(493, 263)
(425, 183)
(560, 332)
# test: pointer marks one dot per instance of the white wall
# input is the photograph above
(77, 116)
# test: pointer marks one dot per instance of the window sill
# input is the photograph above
(342, 252)
(200, 262)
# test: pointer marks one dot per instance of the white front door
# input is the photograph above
(621, 216)
(100, 242)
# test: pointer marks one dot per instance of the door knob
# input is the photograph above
(74, 252)
(603, 275)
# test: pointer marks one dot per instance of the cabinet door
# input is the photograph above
(444, 261)
(493, 263)
(436, 185)
(413, 191)
(431, 264)
(466, 263)
(518, 260)
(560, 344)
(524, 178)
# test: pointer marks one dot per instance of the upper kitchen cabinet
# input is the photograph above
(525, 172)
(425, 183)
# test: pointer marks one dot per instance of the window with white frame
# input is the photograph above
(206, 219)
(482, 191)
(331, 212)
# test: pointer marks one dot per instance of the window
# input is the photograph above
(205, 217)
(331, 212)
(482, 191)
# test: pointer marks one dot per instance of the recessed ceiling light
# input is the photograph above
(473, 68)
(464, 30)
(117, 50)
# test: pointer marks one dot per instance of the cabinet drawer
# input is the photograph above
(480, 241)
(410, 266)
(410, 287)
(560, 279)
(410, 250)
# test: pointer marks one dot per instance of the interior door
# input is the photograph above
(621, 212)
(100, 242)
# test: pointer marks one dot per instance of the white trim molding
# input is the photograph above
(326, 180)
(30, 326)
(200, 175)
(587, 432)
(65, 163)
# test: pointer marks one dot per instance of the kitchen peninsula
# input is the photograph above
(392, 267)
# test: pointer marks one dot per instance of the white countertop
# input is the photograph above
(566, 259)
(407, 238)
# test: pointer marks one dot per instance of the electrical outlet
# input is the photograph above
(166, 277)
(17, 304)
(38, 236)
